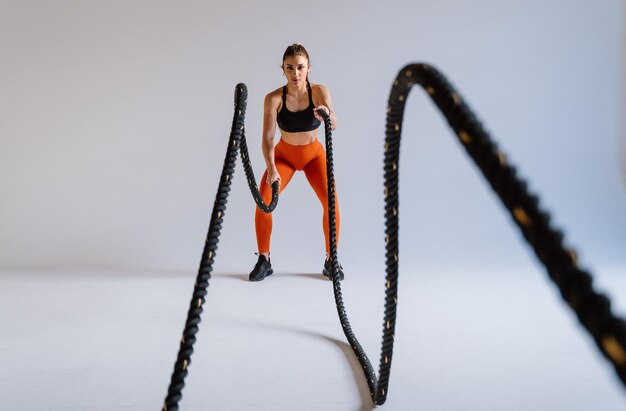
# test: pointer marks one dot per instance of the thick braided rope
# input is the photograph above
(237, 139)
(377, 386)
(247, 167)
(592, 308)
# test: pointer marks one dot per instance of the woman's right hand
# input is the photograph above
(272, 175)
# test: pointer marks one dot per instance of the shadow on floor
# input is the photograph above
(355, 366)
(244, 277)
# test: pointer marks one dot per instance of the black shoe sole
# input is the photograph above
(270, 272)
(327, 275)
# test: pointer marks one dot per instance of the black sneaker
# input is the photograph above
(328, 269)
(262, 269)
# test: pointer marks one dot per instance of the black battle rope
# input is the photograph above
(593, 309)
(237, 138)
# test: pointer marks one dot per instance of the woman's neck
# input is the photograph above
(297, 91)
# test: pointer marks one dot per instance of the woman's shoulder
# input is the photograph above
(319, 89)
(275, 93)
(274, 97)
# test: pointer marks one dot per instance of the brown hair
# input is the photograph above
(296, 49)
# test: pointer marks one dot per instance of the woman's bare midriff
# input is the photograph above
(299, 139)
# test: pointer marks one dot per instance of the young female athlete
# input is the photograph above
(294, 107)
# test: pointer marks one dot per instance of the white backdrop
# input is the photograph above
(114, 118)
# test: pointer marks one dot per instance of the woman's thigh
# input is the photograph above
(286, 172)
(315, 172)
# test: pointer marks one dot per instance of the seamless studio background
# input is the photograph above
(114, 121)
(115, 115)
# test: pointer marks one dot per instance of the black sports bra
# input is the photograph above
(297, 121)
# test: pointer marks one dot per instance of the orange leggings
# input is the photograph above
(311, 158)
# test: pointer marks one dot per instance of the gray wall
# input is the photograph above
(622, 135)
(114, 118)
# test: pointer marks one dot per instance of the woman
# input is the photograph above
(294, 108)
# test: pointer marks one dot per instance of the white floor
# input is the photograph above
(106, 339)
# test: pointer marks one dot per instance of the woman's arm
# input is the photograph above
(325, 102)
(269, 130)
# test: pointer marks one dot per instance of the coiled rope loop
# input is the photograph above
(377, 386)
(592, 308)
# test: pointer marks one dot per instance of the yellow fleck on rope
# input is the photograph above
(501, 158)
(573, 255)
(614, 350)
(465, 137)
(521, 216)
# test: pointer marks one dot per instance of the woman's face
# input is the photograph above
(296, 69)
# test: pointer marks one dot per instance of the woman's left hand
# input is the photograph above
(317, 116)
